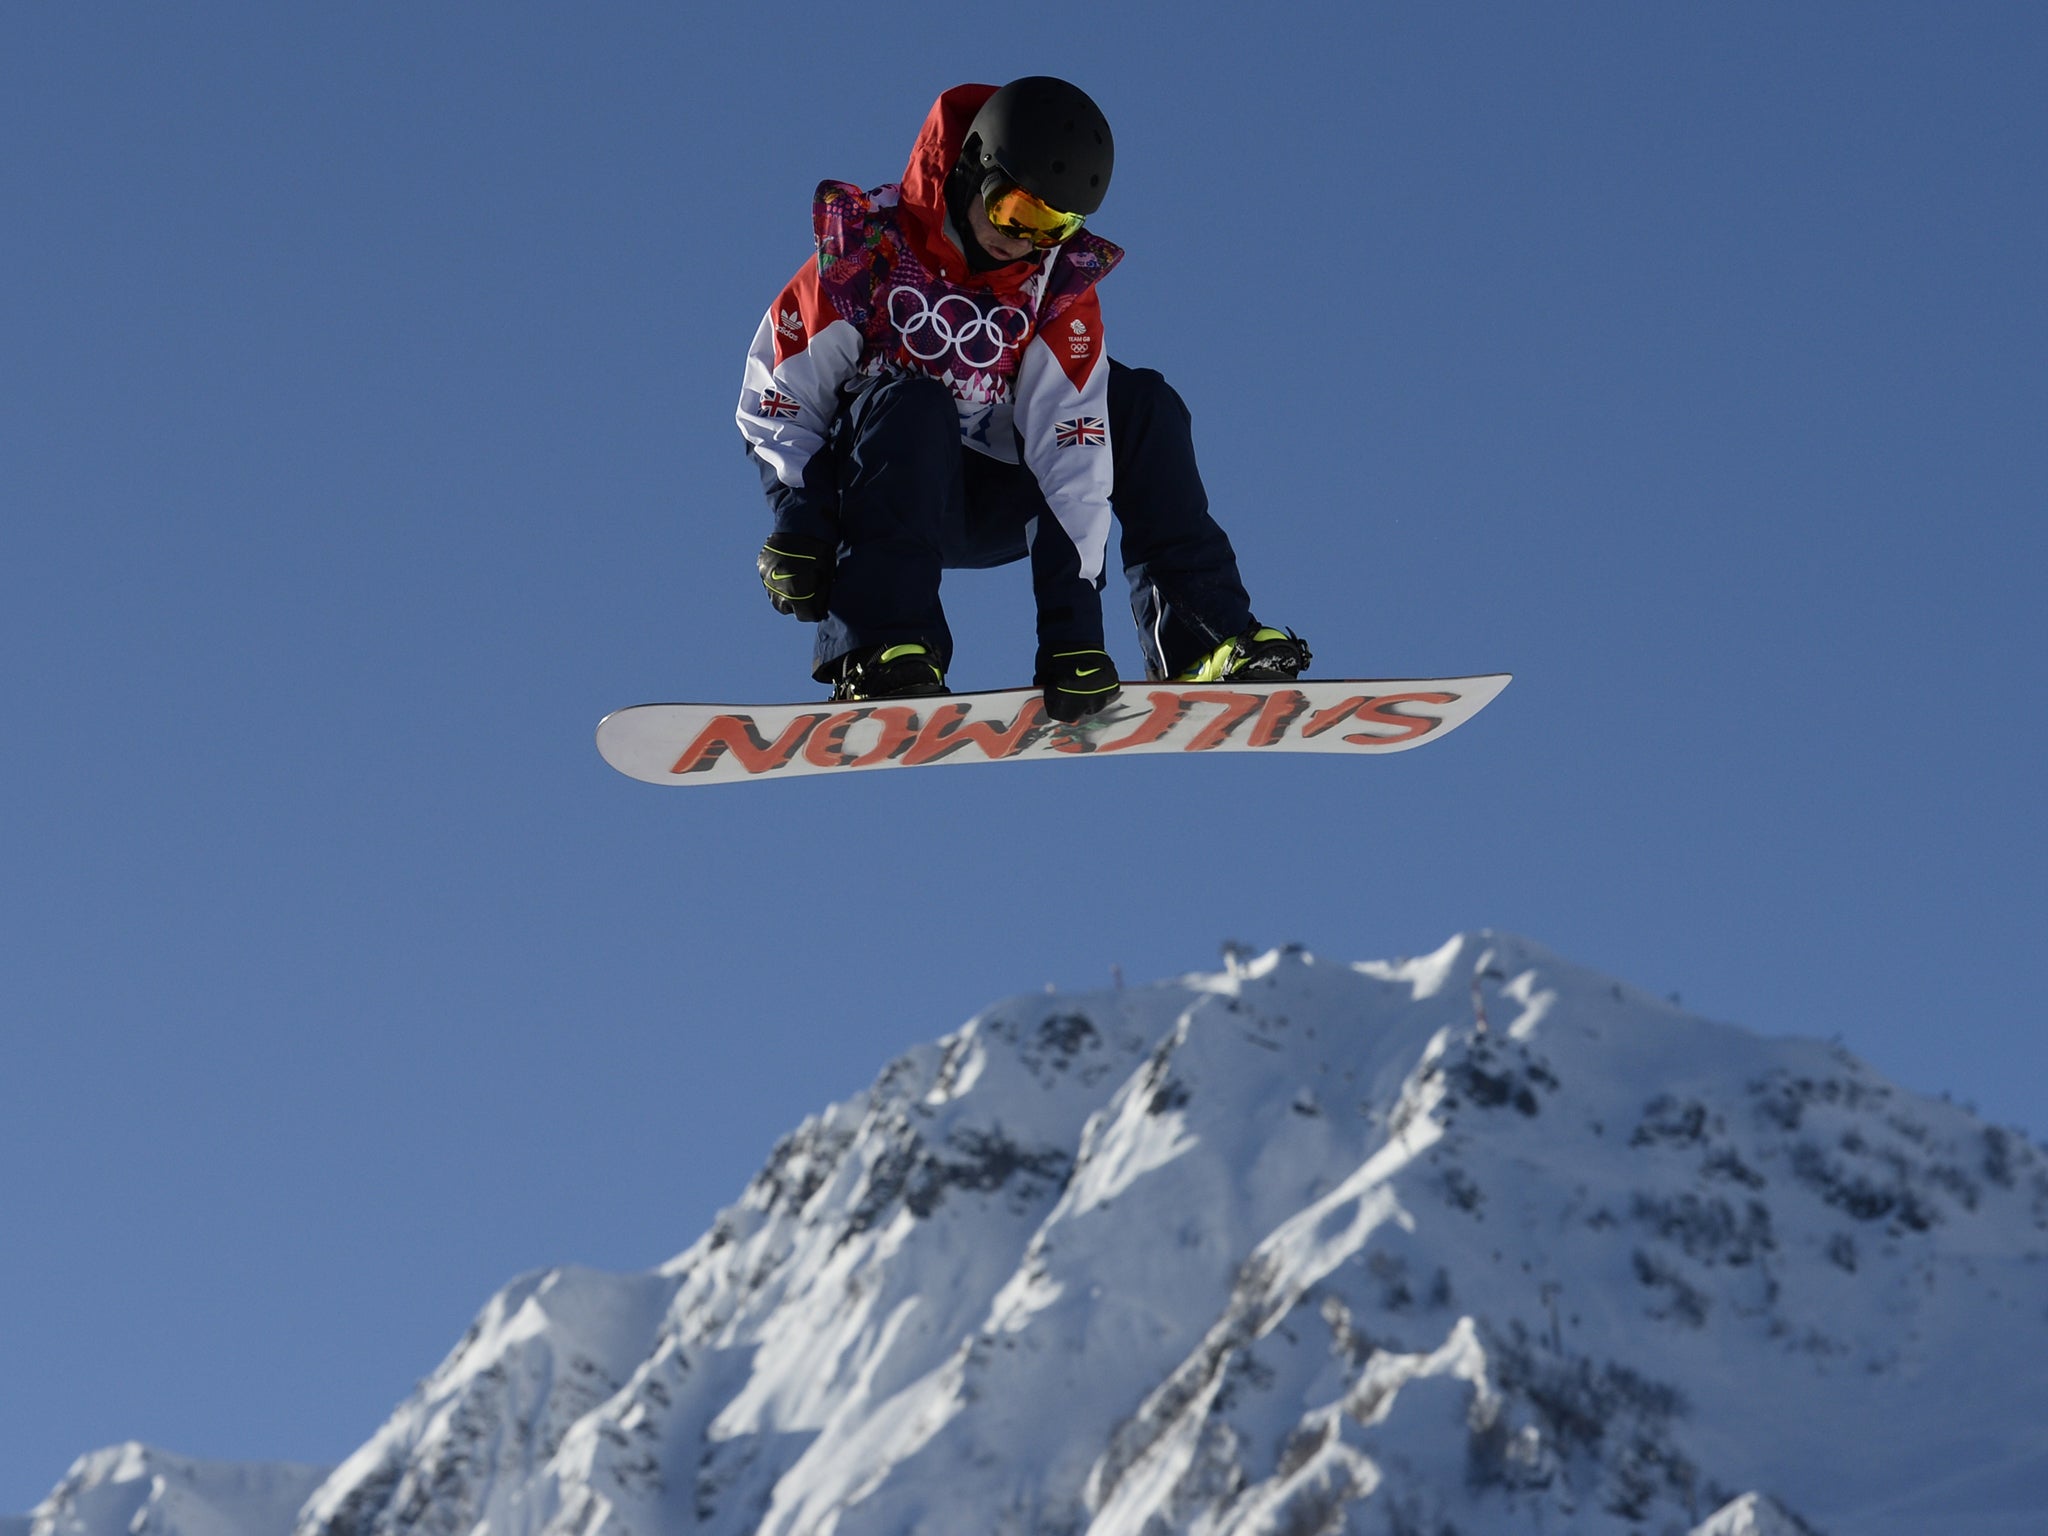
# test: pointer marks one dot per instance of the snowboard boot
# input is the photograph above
(889, 672)
(1261, 654)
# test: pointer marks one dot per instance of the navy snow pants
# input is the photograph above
(915, 501)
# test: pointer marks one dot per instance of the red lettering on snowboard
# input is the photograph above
(944, 734)
(736, 734)
(827, 746)
(1164, 713)
(1236, 708)
(1283, 708)
(1335, 714)
(1408, 727)
(1378, 711)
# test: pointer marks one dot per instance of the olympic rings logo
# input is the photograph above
(958, 325)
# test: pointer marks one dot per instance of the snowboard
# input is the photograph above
(739, 743)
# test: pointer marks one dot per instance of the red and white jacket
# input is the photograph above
(1021, 347)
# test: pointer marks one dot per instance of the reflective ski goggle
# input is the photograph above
(1018, 214)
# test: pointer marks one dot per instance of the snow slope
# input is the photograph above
(134, 1489)
(1478, 1242)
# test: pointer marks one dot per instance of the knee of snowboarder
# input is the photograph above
(1138, 393)
(919, 405)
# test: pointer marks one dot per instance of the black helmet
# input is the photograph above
(1049, 138)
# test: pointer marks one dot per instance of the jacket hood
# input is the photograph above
(937, 149)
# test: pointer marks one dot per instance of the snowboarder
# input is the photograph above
(933, 391)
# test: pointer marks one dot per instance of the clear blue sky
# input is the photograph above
(365, 388)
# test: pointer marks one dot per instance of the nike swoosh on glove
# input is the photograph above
(1077, 684)
(797, 571)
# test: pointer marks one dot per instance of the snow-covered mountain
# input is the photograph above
(145, 1492)
(1473, 1243)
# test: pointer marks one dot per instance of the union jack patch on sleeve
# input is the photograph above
(775, 403)
(1081, 432)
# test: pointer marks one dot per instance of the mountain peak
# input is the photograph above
(1472, 1241)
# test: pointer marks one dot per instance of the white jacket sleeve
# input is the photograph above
(802, 352)
(1063, 421)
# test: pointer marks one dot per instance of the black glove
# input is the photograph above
(797, 571)
(1077, 684)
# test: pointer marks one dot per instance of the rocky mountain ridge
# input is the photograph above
(1472, 1243)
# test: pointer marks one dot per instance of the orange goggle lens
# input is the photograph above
(1023, 217)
